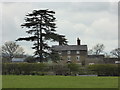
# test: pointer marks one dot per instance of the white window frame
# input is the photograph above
(69, 58)
(78, 58)
(77, 52)
(68, 52)
(59, 52)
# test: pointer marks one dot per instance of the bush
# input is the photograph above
(23, 68)
(105, 69)
(74, 68)
(86, 71)
(59, 69)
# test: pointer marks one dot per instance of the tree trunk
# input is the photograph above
(41, 41)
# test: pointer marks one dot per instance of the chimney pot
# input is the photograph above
(60, 43)
(78, 41)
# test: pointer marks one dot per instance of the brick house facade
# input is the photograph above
(72, 53)
(79, 54)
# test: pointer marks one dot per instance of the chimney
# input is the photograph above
(60, 43)
(78, 41)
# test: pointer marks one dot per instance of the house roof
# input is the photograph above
(18, 59)
(96, 56)
(69, 47)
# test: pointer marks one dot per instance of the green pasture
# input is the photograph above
(26, 81)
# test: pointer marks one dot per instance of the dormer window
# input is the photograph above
(77, 52)
(68, 52)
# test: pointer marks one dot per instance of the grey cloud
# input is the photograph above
(73, 20)
(79, 6)
(95, 6)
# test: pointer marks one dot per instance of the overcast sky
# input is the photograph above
(92, 22)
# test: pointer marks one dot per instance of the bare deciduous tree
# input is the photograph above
(97, 49)
(11, 49)
(116, 52)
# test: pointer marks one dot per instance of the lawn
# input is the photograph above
(25, 81)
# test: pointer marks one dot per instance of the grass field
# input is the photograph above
(14, 81)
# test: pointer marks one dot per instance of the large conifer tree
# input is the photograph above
(41, 25)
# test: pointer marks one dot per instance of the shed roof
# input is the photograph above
(18, 59)
(94, 56)
(69, 47)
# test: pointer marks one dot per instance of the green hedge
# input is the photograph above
(59, 69)
(39, 69)
(74, 68)
(24, 68)
(105, 69)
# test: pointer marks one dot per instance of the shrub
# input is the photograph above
(105, 69)
(23, 68)
(74, 68)
(85, 71)
(60, 69)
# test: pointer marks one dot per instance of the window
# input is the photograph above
(68, 52)
(77, 52)
(117, 62)
(59, 52)
(78, 58)
(69, 58)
